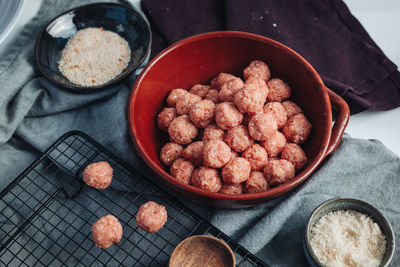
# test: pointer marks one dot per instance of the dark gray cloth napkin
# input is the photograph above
(34, 113)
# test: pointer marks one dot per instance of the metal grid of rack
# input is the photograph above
(47, 212)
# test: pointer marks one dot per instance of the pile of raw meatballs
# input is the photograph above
(232, 136)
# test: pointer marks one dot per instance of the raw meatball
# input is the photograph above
(238, 138)
(182, 170)
(200, 90)
(98, 175)
(297, 129)
(213, 132)
(278, 90)
(274, 144)
(219, 80)
(151, 217)
(229, 89)
(182, 130)
(291, 108)
(202, 113)
(216, 154)
(227, 115)
(293, 153)
(261, 126)
(170, 152)
(236, 171)
(212, 95)
(194, 153)
(174, 95)
(258, 82)
(256, 156)
(165, 117)
(250, 99)
(207, 179)
(106, 231)
(185, 102)
(256, 183)
(232, 189)
(278, 171)
(257, 69)
(278, 111)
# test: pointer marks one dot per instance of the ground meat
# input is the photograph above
(250, 99)
(278, 111)
(98, 175)
(219, 80)
(182, 130)
(213, 132)
(106, 231)
(291, 108)
(257, 69)
(182, 170)
(261, 126)
(227, 115)
(202, 113)
(216, 154)
(229, 89)
(194, 153)
(165, 117)
(274, 144)
(259, 83)
(256, 183)
(212, 95)
(151, 217)
(200, 90)
(170, 152)
(236, 171)
(184, 103)
(238, 138)
(232, 189)
(256, 156)
(278, 90)
(207, 179)
(174, 95)
(278, 171)
(293, 153)
(297, 129)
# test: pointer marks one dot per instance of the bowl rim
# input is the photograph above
(365, 204)
(119, 78)
(270, 193)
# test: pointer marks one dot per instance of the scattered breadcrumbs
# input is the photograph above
(348, 238)
(94, 56)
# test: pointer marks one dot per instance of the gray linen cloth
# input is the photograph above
(34, 113)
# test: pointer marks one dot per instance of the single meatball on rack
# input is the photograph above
(98, 175)
(151, 217)
(238, 138)
(106, 231)
(207, 179)
(182, 130)
(257, 69)
(182, 170)
(216, 154)
(297, 129)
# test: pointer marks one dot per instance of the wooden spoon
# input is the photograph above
(202, 251)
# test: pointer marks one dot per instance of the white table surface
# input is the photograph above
(381, 18)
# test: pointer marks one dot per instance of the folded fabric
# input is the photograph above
(324, 32)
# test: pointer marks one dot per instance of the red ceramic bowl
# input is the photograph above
(198, 59)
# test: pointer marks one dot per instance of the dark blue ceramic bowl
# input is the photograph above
(118, 18)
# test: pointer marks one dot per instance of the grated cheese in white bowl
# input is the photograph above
(347, 238)
(94, 56)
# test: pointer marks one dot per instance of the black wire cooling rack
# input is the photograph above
(47, 212)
